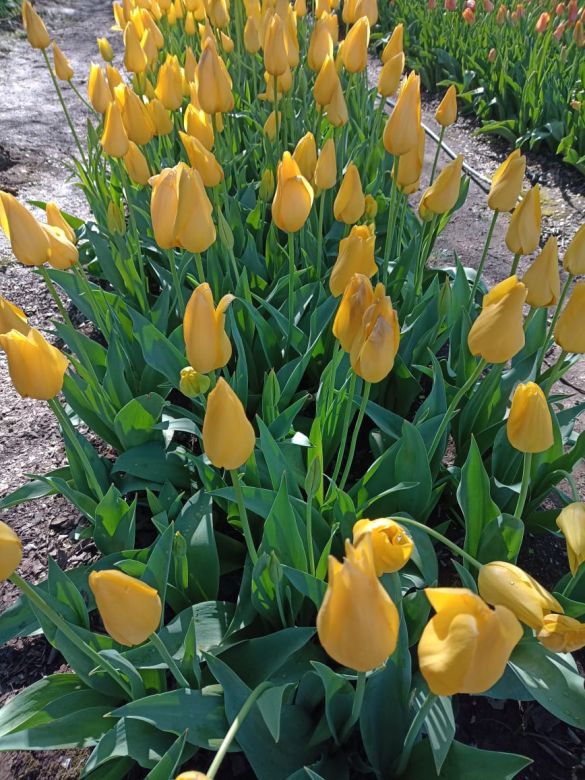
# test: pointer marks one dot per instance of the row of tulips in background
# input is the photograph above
(277, 376)
(520, 67)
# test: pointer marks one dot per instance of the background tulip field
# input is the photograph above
(309, 448)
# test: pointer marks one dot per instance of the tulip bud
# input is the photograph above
(570, 327)
(390, 75)
(542, 279)
(395, 44)
(192, 776)
(468, 16)
(542, 23)
(161, 118)
(198, 124)
(12, 317)
(169, 85)
(349, 204)
(305, 156)
(371, 207)
(524, 229)
(443, 193)
(571, 521)
(114, 139)
(98, 91)
(10, 551)
(136, 165)
(36, 32)
(401, 130)
(28, 240)
(529, 425)
(562, 634)
(251, 36)
(465, 647)
(35, 366)
(355, 47)
(202, 160)
(326, 168)
(138, 123)
(410, 166)
(320, 46)
(337, 109)
(275, 54)
(130, 609)
(293, 198)
(358, 622)
(579, 33)
(115, 219)
(507, 182)
(358, 296)
(215, 85)
(266, 189)
(105, 49)
(114, 78)
(391, 545)
(369, 9)
(207, 344)
(56, 219)
(63, 69)
(356, 256)
(497, 335)
(192, 383)
(574, 261)
(228, 436)
(492, 54)
(348, 14)
(446, 113)
(375, 345)
(135, 60)
(501, 14)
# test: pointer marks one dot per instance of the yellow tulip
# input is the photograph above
(395, 44)
(507, 183)
(275, 54)
(148, 46)
(498, 333)
(130, 609)
(326, 83)
(266, 189)
(10, 551)
(114, 139)
(180, 210)
(136, 165)
(105, 49)
(571, 521)
(98, 91)
(163, 123)
(355, 48)
(542, 279)
(192, 383)
(293, 198)
(401, 130)
(218, 13)
(270, 125)
(115, 219)
(190, 67)
(529, 425)
(320, 46)
(215, 85)
(119, 16)
(390, 75)
(29, 242)
(524, 229)
(358, 622)
(562, 634)
(574, 260)
(357, 298)
(300, 7)
(251, 36)
(190, 27)
(138, 123)
(63, 69)
(62, 253)
(198, 124)
(503, 583)
(12, 317)
(465, 647)
(356, 256)
(326, 168)
(442, 195)
(348, 13)
(410, 166)
(391, 545)
(371, 207)
(114, 78)
(207, 344)
(202, 160)
(368, 8)
(192, 776)
(135, 60)
(375, 345)
(36, 32)
(169, 85)
(331, 22)
(56, 219)
(349, 203)
(305, 156)
(570, 327)
(35, 366)
(446, 113)
(336, 110)
(228, 436)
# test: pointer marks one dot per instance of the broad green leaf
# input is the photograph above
(165, 769)
(464, 761)
(473, 496)
(115, 523)
(195, 523)
(134, 423)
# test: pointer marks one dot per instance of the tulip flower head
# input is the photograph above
(524, 229)
(570, 328)
(208, 346)
(215, 84)
(529, 425)
(130, 609)
(507, 182)
(574, 260)
(395, 44)
(443, 193)
(498, 332)
(465, 647)
(391, 545)
(135, 59)
(349, 204)
(446, 113)
(336, 110)
(356, 256)
(401, 130)
(202, 160)
(326, 83)
(542, 279)
(63, 69)
(320, 46)
(12, 317)
(198, 124)
(355, 48)
(390, 75)
(36, 32)
(326, 169)
(10, 551)
(410, 166)
(192, 383)
(571, 521)
(293, 198)
(98, 90)
(562, 634)
(305, 156)
(105, 49)
(357, 622)
(357, 298)
(36, 367)
(228, 435)
(374, 348)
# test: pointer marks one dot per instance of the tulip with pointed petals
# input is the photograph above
(228, 436)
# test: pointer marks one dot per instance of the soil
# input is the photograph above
(35, 149)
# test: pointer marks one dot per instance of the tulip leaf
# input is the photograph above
(412, 464)
(165, 769)
(157, 569)
(473, 496)
(195, 523)
(38, 487)
(129, 737)
(158, 350)
(134, 423)
(270, 706)
(339, 696)
(63, 589)
(152, 462)
(282, 530)
(75, 721)
(114, 523)
(464, 761)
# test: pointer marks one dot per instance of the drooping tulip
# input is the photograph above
(390, 75)
(506, 183)
(410, 166)
(465, 646)
(202, 160)
(529, 424)
(63, 69)
(355, 48)
(574, 260)
(357, 622)
(326, 168)
(562, 634)
(401, 130)
(35, 366)
(10, 551)
(136, 165)
(56, 219)
(36, 32)
(357, 298)
(571, 521)
(356, 256)
(130, 609)
(228, 436)
(114, 139)
(28, 240)
(305, 156)
(446, 113)
(542, 279)
(570, 328)
(391, 544)
(524, 229)
(349, 203)
(502, 583)
(443, 193)
(215, 84)
(498, 332)
(12, 317)
(207, 344)
(395, 44)
(336, 110)
(375, 345)
(293, 198)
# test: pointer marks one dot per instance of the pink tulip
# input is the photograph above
(542, 23)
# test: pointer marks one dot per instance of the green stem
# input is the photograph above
(344, 430)
(233, 729)
(515, 262)
(291, 281)
(451, 410)
(413, 731)
(553, 322)
(356, 707)
(309, 523)
(63, 106)
(199, 267)
(437, 153)
(66, 423)
(484, 255)
(391, 221)
(83, 100)
(524, 486)
(244, 516)
(55, 296)
(320, 234)
(64, 627)
(355, 434)
(169, 660)
(277, 129)
(176, 282)
(443, 539)
(556, 373)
